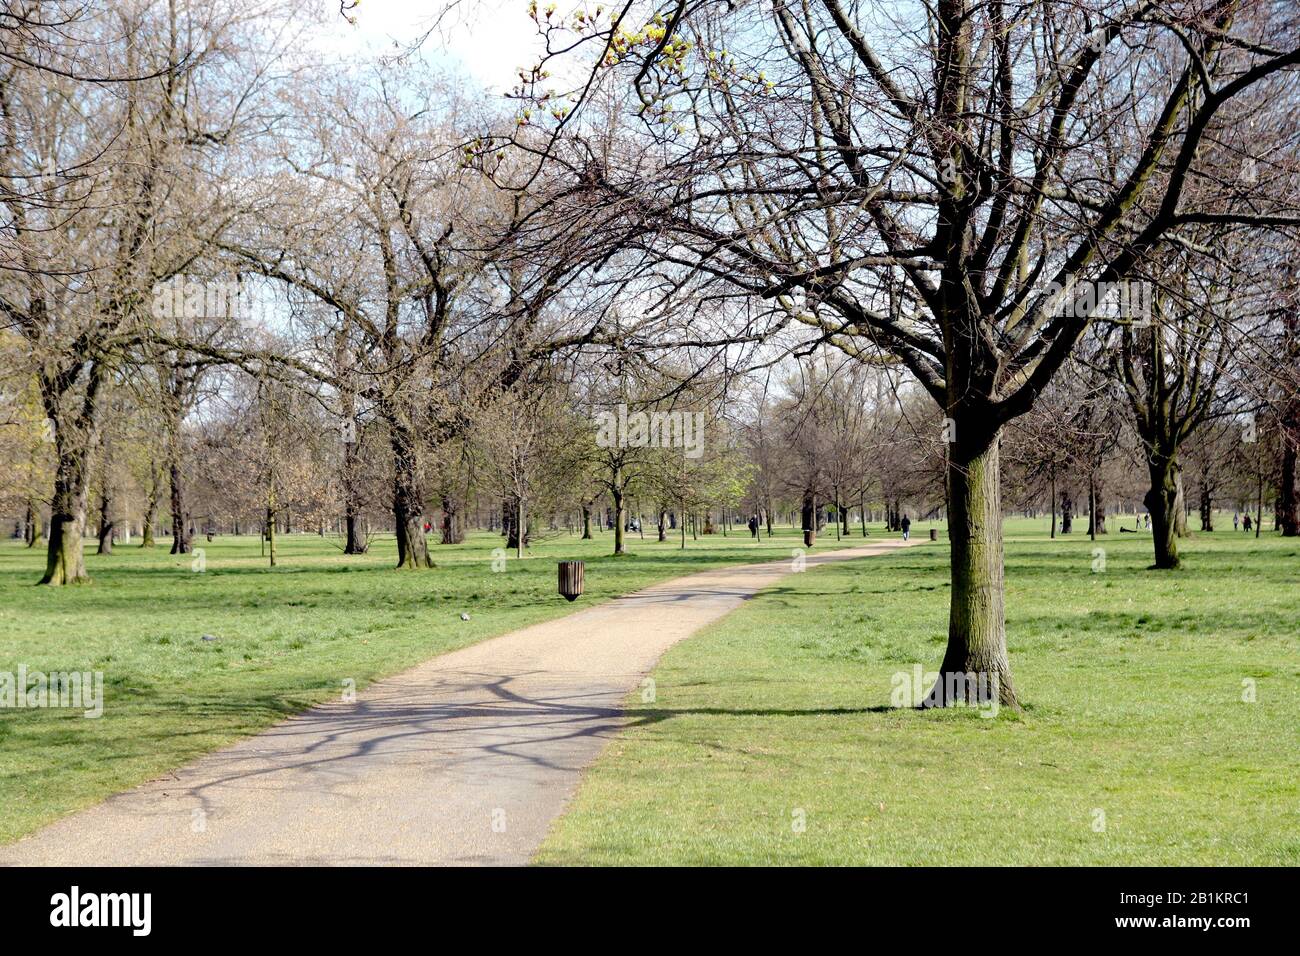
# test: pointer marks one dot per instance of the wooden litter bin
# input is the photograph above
(571, 575)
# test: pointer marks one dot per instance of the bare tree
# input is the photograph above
(1003, 166)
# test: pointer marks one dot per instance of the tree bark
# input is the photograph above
(452, 532)
(74, 441)
(1207, 503)
(1180, 508)
(586, 522)
(521, 526)
(1288, 521)
(1092, 506)
(1096, 509)
(106, 530)
(181, 541)
(408, 501)
(1287, 517)
(1163, 503)
(663, 525)
(355, 542)
(151, 506)
(977, 643)
(1052, 494)
(64, 562)
(619, 545)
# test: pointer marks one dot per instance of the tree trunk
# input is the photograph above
(1180, 509)
(355, 542)
(181, 541)
(1052, 494)
(663, 525)
(452, 531)
(1067, 512)
(1092, 506)
(586, 522)
(30, 526)
(620, 546)
(1096, 509)
(106, 531)
(521, 527)
(1164, 505)
(408, 501)
(151, 506)
(1207, 503)
(64, 563)
(977, 642)
(1259, 502)
(616, 493)
(1287, 519)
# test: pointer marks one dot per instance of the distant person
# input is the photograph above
(1236, 521)
(906, 525)
(753, 526)
(1245, 523)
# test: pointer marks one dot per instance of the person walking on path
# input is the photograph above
(753, 526)
(906, 525)
(1236, 521)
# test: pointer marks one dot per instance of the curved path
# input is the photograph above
(464, 759)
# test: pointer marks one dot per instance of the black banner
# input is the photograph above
(226, 905)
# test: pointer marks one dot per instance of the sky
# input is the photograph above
(487, 40)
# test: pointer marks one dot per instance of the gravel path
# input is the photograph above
(464, 759)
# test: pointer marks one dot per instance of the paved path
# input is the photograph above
(464, 759)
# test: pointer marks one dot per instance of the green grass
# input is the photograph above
(285, 638)
(1132, 682)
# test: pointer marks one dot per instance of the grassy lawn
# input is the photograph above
(771, 739)
(284, 639)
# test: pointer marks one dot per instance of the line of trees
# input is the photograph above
(948, 258)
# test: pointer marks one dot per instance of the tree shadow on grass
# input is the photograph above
(646, 718)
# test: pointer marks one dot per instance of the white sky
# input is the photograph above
(489, 40)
